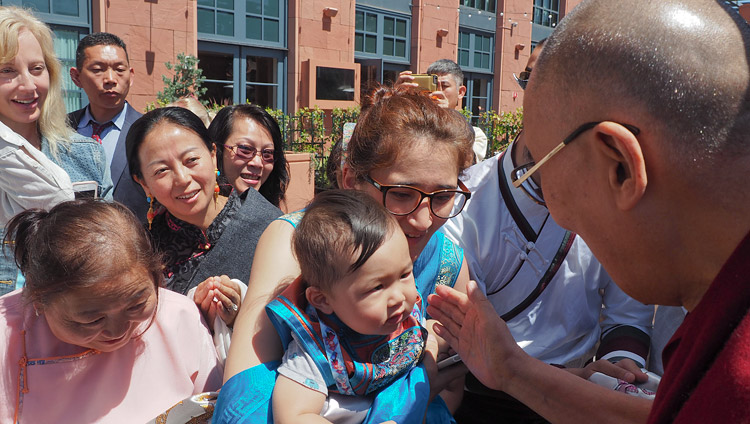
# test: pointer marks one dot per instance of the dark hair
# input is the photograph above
(98, 39)
(221, 129)
(393, 118)
(339, 225)
(78, 244)
(333, 163)
(172, 115)
(447, 67)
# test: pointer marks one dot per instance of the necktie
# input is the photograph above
(98, 128)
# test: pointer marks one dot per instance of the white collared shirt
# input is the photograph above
(563, 324)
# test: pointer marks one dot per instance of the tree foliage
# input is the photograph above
(187, 80)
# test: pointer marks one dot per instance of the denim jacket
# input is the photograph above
(83, 159)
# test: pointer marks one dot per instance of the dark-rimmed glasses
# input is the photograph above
(246, 152)
(522, 173)
(402, 199)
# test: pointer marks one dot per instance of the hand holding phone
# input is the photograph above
(427, 82)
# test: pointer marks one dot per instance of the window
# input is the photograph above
(475, 50)
(66, 42)
(478, 94)
(332, 84)
(70, 21)
(376, 71)
(216, 17)
(546, 12)
(486, 5)
(240, 50)
(238, 74)
(258, 22)
(262, 20)
(72, 9)
(377, 34)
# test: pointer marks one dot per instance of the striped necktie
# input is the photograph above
(98, 129)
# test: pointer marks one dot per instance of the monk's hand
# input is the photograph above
(474, 330)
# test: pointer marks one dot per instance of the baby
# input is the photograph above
(351, 322)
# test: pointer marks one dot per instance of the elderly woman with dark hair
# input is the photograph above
(202, 234)
(89, 338)
(251, 151)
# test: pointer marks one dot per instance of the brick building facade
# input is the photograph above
(297, 53)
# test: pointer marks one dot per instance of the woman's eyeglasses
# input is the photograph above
(403, 199)
(248, 153)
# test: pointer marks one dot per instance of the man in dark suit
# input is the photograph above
(103, 71)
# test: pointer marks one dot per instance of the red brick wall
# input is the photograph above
(507, 95)
(429, 16)
(314, 36)
(155, 32)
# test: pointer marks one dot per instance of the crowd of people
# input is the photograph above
(147, 272)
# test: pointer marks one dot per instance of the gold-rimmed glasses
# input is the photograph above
(523, 172)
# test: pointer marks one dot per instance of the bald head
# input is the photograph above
(682, 65)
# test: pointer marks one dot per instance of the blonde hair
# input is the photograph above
(52, 123)
(194, 105)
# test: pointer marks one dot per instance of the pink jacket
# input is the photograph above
(175, 358)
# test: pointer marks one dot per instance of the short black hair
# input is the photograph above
(98, 39)
(447, 67)
(145, 124)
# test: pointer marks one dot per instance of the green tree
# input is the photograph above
(187, 79)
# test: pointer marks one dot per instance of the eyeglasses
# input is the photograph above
(520, 175)
(522, 79)
(402, 200)
(246, 152)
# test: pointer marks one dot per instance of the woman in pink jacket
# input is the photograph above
(92, 337)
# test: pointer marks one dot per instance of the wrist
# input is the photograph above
(511, 370)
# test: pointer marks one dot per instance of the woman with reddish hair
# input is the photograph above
(407, 153)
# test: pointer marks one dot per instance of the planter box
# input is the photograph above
(301, 182)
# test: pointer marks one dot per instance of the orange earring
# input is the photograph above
(216, 188)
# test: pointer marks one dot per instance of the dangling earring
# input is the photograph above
(150, 214)
(216, 188)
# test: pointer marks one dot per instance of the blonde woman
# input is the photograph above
(31, 106)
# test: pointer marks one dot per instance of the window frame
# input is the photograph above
(472, 51)
(544, 12)
(469, 98)
(83, 19)
(240, 27)
(239, 69)
(380, 34)
(473, 4)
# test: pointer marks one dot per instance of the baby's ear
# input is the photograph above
(318, 299)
